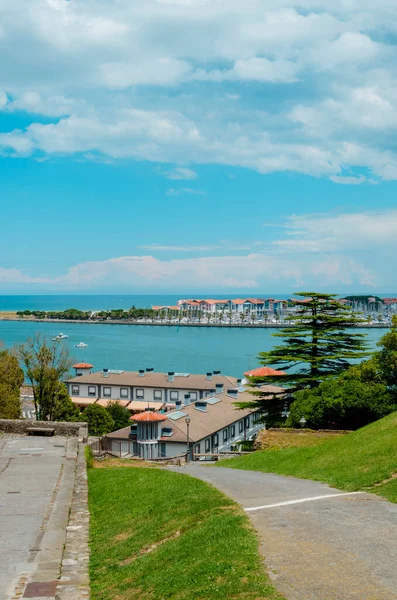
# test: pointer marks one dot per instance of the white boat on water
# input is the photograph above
(81, 345)
(60, 336)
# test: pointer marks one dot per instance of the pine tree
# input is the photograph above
(316, 346)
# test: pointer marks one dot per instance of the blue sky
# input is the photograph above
(197, 146)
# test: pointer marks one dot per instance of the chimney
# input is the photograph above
(218, 388)
(171, 376)
(201, 405)
(209, 377)
(187, 399)
(178, 404)
(141, 372)
(149, 370)
(217, 372)
(233, 393)
(105, 372)
(239, 382)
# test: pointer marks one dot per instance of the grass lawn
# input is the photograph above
(155, 534)
(350, 462)
(287, 439)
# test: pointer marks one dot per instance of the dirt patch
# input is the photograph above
(388, 480)
(282, 438)
(121, 537)
(149, 549)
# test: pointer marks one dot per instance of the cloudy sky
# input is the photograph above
(198, 146)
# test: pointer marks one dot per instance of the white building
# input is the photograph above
(208, 426)
(135, 389)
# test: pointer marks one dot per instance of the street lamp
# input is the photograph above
(187, 421)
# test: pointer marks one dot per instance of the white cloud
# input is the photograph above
(181, 191)
(165, 248)
(159, 71)
(341, 232)
(251, 271)
(348, 180)
(180, 173)
(153, 80)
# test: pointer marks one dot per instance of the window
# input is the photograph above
(174, 395)
(207, 445)
(241, 426)
(193, 396)
(124, 392)
(197, 449)
(215, 440)
(107, 392)
(92, 390)
(75, 390)
(158, 394)
(247, 422)
(225, 436)
(233, 431)
(140, 394)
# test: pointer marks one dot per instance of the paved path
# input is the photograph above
(341, 547)
(36, 485)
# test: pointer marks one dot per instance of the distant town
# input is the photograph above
(371, 311)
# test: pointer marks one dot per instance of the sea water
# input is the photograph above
(164, 348)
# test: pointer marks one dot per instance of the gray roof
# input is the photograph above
(156, 380)
(203, 424)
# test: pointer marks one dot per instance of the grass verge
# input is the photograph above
(156, 534)
(351, 462)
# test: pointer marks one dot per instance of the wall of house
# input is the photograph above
(118, 392)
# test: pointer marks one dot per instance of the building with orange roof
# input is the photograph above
(204, 427)
(264, 372)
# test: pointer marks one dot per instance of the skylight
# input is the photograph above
(177, 415)
(213, 400)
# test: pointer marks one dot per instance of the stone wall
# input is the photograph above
(61, 428)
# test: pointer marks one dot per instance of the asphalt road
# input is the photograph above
(35, 496)
(319, 543)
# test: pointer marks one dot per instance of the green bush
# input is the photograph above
(89, 457)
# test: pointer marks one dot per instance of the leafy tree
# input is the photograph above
(65, 409)
(99, 420)
(119, 414)
(45, 366)
(344, 402)
(11, 379)
(386, 359)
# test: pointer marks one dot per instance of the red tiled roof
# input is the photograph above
(148, 416)
(263, 372)
(82, 365)
(162, 307)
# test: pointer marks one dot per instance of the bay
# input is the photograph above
(133, 347)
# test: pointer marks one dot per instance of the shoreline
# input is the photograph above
(10, 318)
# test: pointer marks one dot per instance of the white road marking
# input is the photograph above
(300, 501)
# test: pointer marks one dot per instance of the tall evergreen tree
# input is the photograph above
(318, 344)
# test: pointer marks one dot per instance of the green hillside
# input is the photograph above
(361, 459)
(158, 535)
